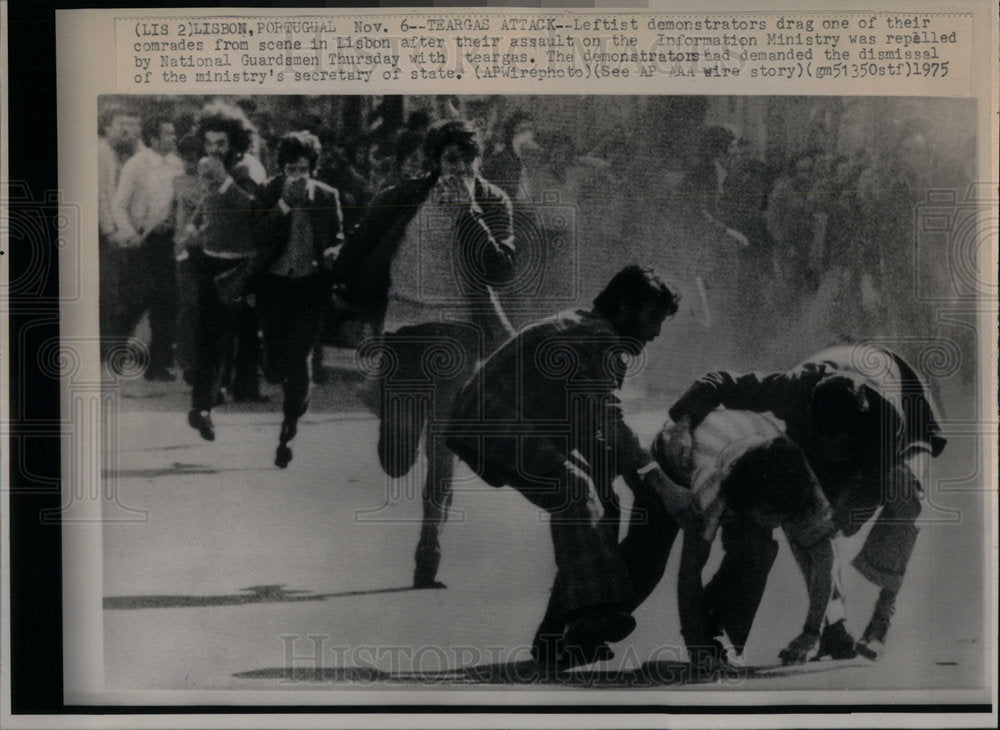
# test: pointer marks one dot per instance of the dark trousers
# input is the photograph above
(646, 547)
(424, 368)
(291, 316)
(147, 282)
(735, 591)
(107, 254)
(890, 543)
(242, 370)
(214, 329)
(187, 312)
(591, 569)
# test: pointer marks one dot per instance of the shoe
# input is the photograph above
(283, 456)
(201, 421)
(551, 652)
(425, 576)
(871, 649)
(836, 643)
(546, 648)
(427, 559)
(710, 659)
(579, 655)
(872, 643)
(160, 375)
(425, 583)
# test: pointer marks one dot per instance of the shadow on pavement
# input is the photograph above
(174, 470)
(255, 594)
(527, 672)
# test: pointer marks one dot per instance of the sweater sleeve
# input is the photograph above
(779, 393)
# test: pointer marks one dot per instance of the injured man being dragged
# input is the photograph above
(748, 479)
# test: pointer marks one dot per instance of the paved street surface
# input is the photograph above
(238, 558)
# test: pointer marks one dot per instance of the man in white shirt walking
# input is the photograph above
(143, 212)
(117, 142)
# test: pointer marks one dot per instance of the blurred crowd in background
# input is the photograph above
(786, 223)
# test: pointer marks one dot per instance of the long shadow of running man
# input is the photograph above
(253, 594)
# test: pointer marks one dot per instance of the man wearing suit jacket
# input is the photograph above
(294, 283)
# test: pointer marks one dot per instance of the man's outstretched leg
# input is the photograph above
(437, 496)
(735, 591)
(591, 593)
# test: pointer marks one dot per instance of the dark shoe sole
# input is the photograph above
(428, 584)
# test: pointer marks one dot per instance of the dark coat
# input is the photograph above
(901, 416)
(365, 262)
(547, 392)
(324, 214)
(227, 222)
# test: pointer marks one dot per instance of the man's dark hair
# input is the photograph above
(837, 405)
(189, 147)
(407, 142)
(511, 124)
(453, 132)
(418, 122)
(328, 136)
(296, 145)
(184, 123)
(239, 136)
(107, 115)
(774, 478)
(636, 286)
(715, 140)
(150, 128)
